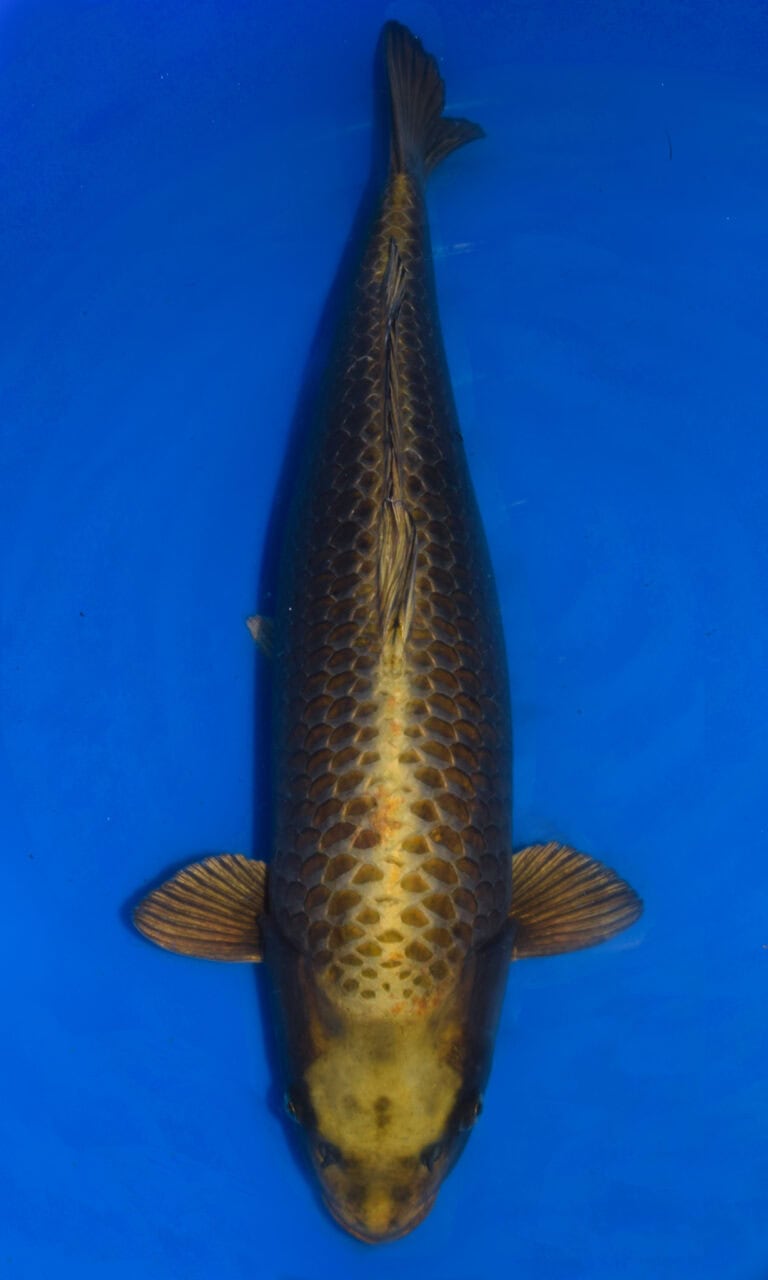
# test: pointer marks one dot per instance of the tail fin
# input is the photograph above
(421, 135)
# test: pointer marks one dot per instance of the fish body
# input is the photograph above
(391, 859)
(388, 918)
(392, 812)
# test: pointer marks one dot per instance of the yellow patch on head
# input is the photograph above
(383, 1095)
(382, 1092)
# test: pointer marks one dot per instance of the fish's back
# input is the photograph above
(392, 840)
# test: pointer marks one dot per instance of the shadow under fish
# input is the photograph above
(391, 905)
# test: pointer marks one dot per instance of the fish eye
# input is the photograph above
(431, 1154)
(291, 1105)
(327, 1154)
(470, 1111)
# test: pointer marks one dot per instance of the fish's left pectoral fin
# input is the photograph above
(563, 901)
(210, 909)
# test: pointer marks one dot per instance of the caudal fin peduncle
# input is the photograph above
(421, 135)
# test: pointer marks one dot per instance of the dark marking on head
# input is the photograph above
(383, 1107)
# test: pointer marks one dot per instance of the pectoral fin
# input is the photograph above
(211, 909)
(563, 901)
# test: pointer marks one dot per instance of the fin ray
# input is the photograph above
(395, 280)
(421, 135)
(563, 900)
(209, 909)
(397, 569)
(397, 528)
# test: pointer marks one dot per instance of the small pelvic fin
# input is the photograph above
(421, 135)
(210, 909)
(563, 901)
(263, 631)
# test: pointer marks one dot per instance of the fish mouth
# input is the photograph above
(358, 1229)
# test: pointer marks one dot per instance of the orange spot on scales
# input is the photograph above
(386, 817)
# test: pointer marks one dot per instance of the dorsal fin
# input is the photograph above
(394, 284)
(397, 567)
(397, 530)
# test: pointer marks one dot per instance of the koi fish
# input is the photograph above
(391, 905)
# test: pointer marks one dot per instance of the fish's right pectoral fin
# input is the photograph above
(210, 909)
(563, 901)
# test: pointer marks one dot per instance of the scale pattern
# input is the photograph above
(392, 835)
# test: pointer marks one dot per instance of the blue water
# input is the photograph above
(178, 180)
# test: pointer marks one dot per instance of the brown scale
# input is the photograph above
(386, 886)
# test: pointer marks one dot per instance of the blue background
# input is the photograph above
(178, 181)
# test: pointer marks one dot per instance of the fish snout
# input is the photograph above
(381, 1215)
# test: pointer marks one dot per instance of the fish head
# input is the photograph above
(386, 1105)
(385, 1114)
